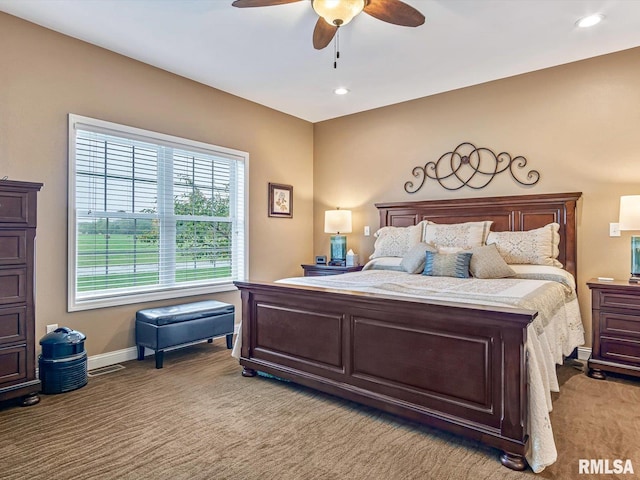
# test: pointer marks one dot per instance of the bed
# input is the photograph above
(461, 367)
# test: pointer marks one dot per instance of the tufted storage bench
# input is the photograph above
(166, 327)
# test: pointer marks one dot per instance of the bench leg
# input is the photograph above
(230, 341)
(159, 358)
(140, 352)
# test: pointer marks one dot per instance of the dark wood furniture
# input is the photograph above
(17, 320)
(321, 270)
(163, 328)
(615, 321)
(457, 367)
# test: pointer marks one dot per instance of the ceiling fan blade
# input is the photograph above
(260, 3)
(394, 11)
(323, 34)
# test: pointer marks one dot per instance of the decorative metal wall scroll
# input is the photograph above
(473, 167)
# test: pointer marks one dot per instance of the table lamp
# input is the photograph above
(338, 222)
(630, 220)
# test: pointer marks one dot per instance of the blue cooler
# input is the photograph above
(63, 361)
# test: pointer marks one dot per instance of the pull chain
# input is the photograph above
(336, 48)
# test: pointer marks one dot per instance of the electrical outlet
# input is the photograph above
(367, 231)
(614, 229)
(51, 327)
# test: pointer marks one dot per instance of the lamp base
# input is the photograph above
(338, 249)
(635, 259)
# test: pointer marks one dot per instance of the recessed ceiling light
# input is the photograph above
(590, 20)
(341, 91)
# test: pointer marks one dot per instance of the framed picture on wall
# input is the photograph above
(280, 200)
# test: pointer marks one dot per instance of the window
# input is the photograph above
(152, 216)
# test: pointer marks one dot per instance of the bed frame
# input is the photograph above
(456, 367)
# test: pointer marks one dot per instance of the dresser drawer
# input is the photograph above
(619, 324)
(13, 285)
(14, 207)
(610, 299)
(13, 325)
(13, 247)
(13, 364)
(620, 350)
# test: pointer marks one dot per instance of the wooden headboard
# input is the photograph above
(512, 213)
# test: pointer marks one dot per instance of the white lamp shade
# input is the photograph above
(337, 221)
(629, 212)
(338, 12)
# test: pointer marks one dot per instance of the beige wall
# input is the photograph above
(44, 76)
(577, 124)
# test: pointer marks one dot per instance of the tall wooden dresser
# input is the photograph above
(17, 318)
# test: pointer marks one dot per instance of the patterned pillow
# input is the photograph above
(396, 241)
(413, 260)
(533, 247)
(463, 235)
(486, 262)
(447, 264)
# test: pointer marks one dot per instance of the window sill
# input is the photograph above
(106, 302)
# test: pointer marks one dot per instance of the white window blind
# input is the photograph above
(151, 215)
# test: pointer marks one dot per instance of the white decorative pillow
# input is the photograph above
(396, 241)
(450, 249)
(462, 235)
(533, 247)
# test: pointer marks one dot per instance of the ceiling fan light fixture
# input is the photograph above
(338, 12)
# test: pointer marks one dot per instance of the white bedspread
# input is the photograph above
(555, 332)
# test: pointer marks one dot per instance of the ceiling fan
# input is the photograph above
(337, 13)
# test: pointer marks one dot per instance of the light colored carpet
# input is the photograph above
(198, 418)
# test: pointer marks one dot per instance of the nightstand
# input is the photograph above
(615, 319)
(321, 270)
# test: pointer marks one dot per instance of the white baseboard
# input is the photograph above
(126, 354)
(584, 353)
(111, 358)
(131, 353)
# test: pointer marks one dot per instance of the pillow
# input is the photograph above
(384, 263)
(447, 264)
(486, 262)
(396, 241)
(533, 247)
(450, 249)
(544, 272)
(413, 260)
(463, 235)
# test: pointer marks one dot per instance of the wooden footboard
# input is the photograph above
(456, 367)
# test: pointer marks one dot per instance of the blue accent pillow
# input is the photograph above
(447, 264)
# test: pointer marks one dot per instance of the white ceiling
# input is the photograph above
(265, 54)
